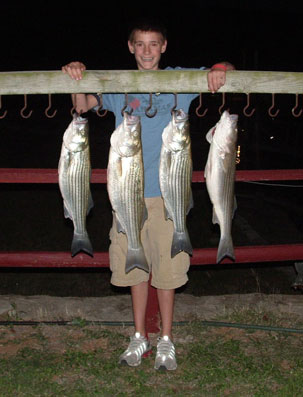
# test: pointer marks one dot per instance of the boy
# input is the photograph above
(147, 41)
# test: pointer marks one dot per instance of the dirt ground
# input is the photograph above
(118, 308)
(14, 338)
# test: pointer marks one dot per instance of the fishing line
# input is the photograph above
(272, 184)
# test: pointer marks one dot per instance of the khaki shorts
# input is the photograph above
(156, 236)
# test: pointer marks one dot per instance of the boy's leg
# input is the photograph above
(139, 344)
(167, 275)
(165, 356)
(138, 280)
(166, 299)
(139, 294)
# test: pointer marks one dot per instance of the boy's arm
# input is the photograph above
(81, 102)
(216, 77)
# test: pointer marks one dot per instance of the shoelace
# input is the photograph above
(166, 348)
(137, 346)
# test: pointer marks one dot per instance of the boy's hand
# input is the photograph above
(74, 70)
(216, 79)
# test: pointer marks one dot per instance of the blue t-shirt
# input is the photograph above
(151, 128)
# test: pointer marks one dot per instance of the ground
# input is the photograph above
(231, 345)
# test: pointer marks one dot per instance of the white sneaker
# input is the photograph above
(139, 346)
(165, 357)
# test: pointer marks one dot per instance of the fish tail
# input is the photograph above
(81, 242)
(136, 259)
(181, 242)
(225, 249)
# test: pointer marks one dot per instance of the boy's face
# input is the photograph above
(147, 48)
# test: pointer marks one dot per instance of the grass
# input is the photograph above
(81, 360)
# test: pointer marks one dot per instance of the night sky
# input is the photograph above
(264, 35)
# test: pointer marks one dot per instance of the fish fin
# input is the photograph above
(207, 169)
(145, 215)
(181, 242)
(118, 224)
(225, 249)
(215, 218)
(225, 162)
(235, 206)
(190, 204)
(66, 212)
(166, 158)
(81, 242)
(136, 259)
(90, 203)
(167, 214)
(119, 167)
(209, 135)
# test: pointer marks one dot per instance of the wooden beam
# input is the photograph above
(165, 81)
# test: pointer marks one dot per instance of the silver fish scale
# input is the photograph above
(179, 187)
(132, 203)
(74, 181)
(175, 173)
(125, 187)
(220, 179)
(227, 194)
(76, 189)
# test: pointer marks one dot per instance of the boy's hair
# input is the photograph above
(147, 25)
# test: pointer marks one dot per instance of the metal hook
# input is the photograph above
(272, 106)
(73, 110)
(100, 107)
(125, 105)
(49, 106)
(149, 107)
(247, 106)
(175, 103)
(223, 103)
(199, 107)
(24, 107)
(5, 113)
(293, 110)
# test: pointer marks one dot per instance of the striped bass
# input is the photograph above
(125, 185)
(74, 181)
(175, 174)
(220, 179)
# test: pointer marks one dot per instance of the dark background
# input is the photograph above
(252, 35)
(264, 35)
